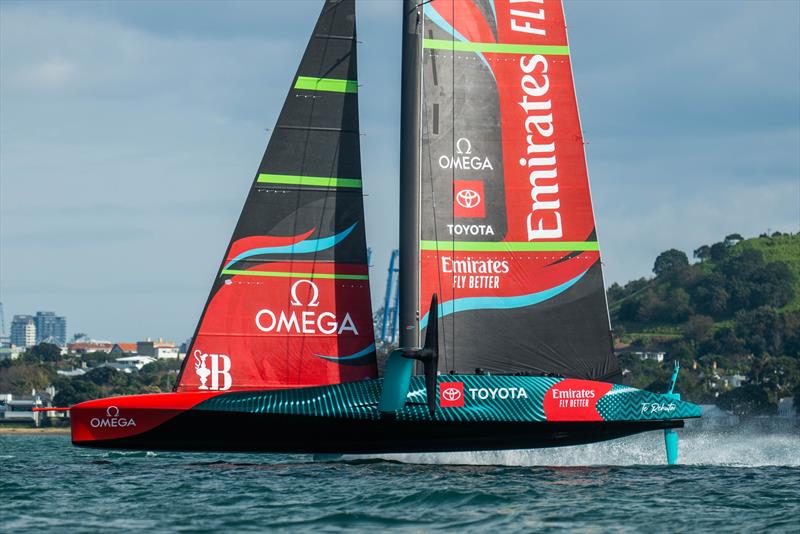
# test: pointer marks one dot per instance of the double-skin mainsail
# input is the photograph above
(506, 228)
(290, 305)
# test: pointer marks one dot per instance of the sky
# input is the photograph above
(130, 133)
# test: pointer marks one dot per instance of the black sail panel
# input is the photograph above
(508, 238)
(290, 305)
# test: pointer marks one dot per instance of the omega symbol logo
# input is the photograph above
(313, 301)
(112, 411)
(451, 394)
(467, 198)
(463, 146)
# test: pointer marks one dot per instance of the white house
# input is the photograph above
(129, 363)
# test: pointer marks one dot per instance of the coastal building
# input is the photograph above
(19, 409)
(123, 348)
(657, 356)
(23, 331)
(51, 328)
(733, 381)
(85, 347)
(129, 363)
(167, 353)
(152, 348)
(10, 353)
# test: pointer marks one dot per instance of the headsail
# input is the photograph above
(508, 235)
(290, 305)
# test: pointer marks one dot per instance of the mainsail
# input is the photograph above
(507, 236)
(290, 304)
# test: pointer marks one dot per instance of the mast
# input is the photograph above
(409, 177)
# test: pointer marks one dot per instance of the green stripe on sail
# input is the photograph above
(496, 48)
(316, 181)
(515, 246)
(333, 85)
(284, 274)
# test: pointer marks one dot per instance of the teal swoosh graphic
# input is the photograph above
(369, 349)
(500, 303)
(303, 247)
(434, 15)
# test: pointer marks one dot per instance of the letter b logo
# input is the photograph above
(220, 372)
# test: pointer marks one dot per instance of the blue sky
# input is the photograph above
(130, 132)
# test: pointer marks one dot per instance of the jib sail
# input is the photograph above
(508, 235)
(290, 305)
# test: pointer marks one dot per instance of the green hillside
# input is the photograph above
(733, 311)
(780, 247)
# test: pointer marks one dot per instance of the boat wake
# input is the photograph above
(737, 447)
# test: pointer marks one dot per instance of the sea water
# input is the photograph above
(738, 479)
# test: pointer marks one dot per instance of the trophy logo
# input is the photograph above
(220, 367)
(200, 368)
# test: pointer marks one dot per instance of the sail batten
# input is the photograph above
(290, 305)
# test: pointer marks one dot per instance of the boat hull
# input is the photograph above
(474, 412)
(253, 432)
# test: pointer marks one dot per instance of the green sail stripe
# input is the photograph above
(515, 246)
(316, 181)
(497, 48)
(333, 85)
(284, 274)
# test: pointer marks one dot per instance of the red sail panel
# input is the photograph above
(508, 232)
(290, 304)
(296, 330)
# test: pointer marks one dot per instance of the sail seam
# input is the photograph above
(510, 246)
(285, 274)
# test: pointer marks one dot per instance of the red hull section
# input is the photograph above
(125, 417)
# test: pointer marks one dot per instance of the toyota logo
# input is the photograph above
(112, 411)
(451, 394)
(467, 198)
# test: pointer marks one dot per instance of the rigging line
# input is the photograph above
(453, 170)
(433, 211)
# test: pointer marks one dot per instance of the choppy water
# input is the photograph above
(728, 481)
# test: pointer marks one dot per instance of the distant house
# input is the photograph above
(11, 353)
(657, 356)
(167, 353)
(19, 409)
(150, 348)
(85, 347)
(71, 372)
(123, 348)
(733, 381)
(129, 363)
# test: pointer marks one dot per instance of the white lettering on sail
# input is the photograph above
(544, 219)
(305, 322)
(518, 16)
(470, 229)
(464, 160)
